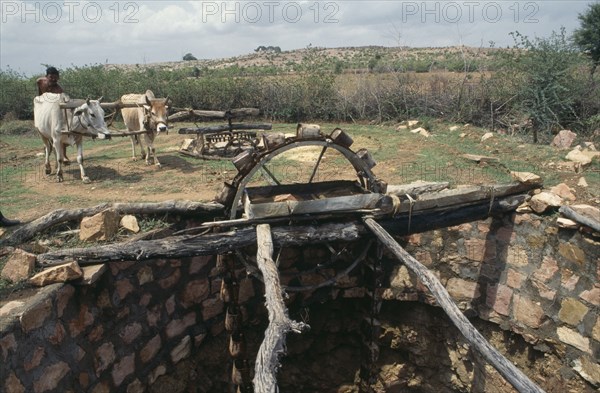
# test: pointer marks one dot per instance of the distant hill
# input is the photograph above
(345, 58)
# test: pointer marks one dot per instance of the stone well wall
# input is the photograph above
(159, 325)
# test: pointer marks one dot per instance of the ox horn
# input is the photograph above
(100, 99)
(87, 100)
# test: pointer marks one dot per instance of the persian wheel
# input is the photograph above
(276, 146)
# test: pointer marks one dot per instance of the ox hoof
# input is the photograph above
(134, 159)
(48, 171)
(59, 179)
(86, 180)
(159, 166)
(66, 162)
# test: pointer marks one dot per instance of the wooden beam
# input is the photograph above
(464, 196)
(417, 188)
(27, 231)
(212, 244)
(209, 244)
(508, 370)
(273, 345)
(184, 113)
(224, 127)
(116, 105)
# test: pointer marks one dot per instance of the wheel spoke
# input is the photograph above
(266, 173)
(314, 172)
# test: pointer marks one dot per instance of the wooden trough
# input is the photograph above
(313, 198)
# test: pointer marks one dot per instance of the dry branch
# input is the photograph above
(29, 230)
(508, 370)
(273, 345)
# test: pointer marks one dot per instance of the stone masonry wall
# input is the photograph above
(139, 321)
(522, 273)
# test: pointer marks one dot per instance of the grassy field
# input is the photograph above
(402, 157)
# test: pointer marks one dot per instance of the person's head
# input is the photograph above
(52, 75)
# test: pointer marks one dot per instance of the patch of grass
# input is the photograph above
(148, 224)
(28, 141)
(17, 127)
(65, 199)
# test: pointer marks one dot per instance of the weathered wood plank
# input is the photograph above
(417, 188)
(508, 370)
(463, 196)
(421, 221)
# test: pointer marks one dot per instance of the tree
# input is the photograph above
(189, 56)
(587, 37)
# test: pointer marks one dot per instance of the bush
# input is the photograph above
(16, 94)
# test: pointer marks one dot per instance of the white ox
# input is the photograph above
(150, 116)
(57, 127)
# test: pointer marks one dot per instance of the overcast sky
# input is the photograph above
(78, 33)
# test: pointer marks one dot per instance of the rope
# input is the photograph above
(410, 207)
(492, 192)
(395, 204)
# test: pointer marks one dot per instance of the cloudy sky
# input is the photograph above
(78, 33)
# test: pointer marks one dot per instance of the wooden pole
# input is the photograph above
(580, 218)
(508, 370)
(273, 345)
(224, 127)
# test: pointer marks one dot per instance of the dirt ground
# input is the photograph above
(116, 177)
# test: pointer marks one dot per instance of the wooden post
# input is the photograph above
(508, 370)
(267, 359)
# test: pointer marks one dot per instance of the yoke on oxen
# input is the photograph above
(150, 116)
(61, 124)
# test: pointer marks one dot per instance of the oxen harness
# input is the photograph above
(150, 124)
